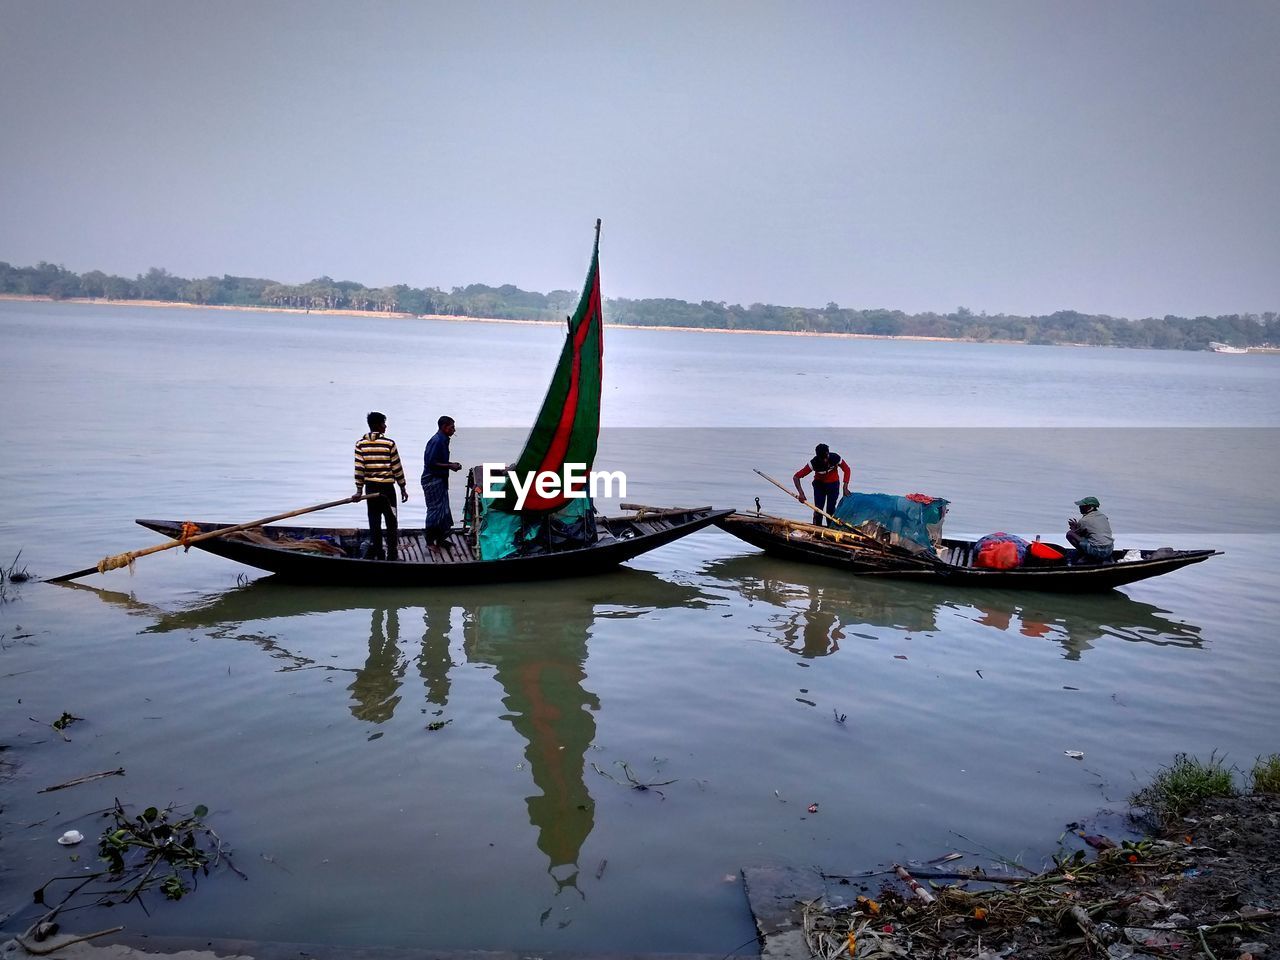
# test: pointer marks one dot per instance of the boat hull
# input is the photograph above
(623, 538)
(779, 538)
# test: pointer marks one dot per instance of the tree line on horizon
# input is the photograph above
(508, 302)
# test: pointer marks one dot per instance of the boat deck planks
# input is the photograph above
(456, 562)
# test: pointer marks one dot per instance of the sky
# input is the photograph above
(1010, 157)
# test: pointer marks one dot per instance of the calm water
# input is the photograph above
(299, 716)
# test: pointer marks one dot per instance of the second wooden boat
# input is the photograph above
(858, 556)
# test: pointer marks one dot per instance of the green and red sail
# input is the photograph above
(568, 425)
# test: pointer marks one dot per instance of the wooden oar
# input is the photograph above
(124, 559)
(854, 531)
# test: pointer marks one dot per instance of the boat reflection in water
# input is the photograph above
(818, 610)
(535, 639)
(1077, 626)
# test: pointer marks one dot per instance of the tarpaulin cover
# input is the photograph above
(502, 534)
(912, 521)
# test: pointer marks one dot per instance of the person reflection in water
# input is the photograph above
(375, 691)
(434, 664)
(817, 629)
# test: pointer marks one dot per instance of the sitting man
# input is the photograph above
(1091, 534)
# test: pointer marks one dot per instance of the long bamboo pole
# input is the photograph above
(124, 559)
(814, 506)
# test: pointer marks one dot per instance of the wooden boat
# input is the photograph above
(564, 434)
(852, 553)
(332, 555)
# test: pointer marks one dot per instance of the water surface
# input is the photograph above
(300, 716)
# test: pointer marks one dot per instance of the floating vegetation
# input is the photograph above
(12, 574)
(155, 850)
(632, 781)
(63, 722)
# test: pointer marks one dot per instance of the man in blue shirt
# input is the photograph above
(436, 467)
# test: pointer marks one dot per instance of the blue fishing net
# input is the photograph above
(905, 521)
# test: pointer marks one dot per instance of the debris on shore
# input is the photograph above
(1207, 887)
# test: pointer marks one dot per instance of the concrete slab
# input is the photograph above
(777, 896)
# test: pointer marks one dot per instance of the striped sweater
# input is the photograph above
(378, 460)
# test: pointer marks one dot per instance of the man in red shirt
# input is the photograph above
(825, 467)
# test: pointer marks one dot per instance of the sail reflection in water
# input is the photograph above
(541, 667)
(536, 641)
(538, 648)
(817, 610)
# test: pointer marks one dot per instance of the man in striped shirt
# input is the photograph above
(378, 470)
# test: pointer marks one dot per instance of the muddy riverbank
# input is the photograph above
(1207, 885)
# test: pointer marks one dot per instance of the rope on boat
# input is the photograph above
(118, 561)
(189, 533)
(189, 530)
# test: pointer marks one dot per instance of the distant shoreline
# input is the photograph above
(382, 314)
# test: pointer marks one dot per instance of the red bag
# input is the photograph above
(997, 556)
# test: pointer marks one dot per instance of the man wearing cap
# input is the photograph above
(1091, 534)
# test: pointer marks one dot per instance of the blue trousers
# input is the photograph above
(825, 497)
